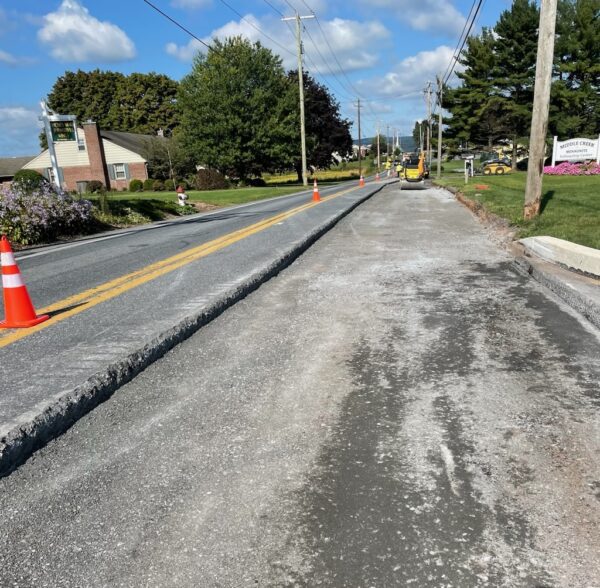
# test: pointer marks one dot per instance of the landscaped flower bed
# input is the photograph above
(42, 214)
(573, 169)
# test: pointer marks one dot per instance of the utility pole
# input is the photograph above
(387, 140)
(541, 101)
(299, 20)
(378, 154)
(439, 153)
(359, 139)
(428, 93)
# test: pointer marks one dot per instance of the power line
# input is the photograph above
(242, 17)
(275, 8)
(179, 25)
(455, 60)
(459, 39)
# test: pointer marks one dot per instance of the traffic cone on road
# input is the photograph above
(18, 309)
(377, 177)
(361, 182)
(316, 195)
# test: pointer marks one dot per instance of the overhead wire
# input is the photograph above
(455, 58)
(180, 25)
(243, 18)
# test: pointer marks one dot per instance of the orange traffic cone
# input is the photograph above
(18, 308)
(377, 177)
(361, 182)
(316, 196)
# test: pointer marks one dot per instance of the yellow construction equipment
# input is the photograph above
(413, 172)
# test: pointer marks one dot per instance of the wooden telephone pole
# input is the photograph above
(541, 101)
(299, 20)
(439, 153)
(359, 139)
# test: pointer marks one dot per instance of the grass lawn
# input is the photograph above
(134, 208)
(570, 204)
(338, 173)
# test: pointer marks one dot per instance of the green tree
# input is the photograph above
(234, 110)
(476, 118)
(382, 145)
(514, 70)
(167, 159)
(326, 131)
(575, 99)
(138, 103)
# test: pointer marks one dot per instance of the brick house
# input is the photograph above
(111, 157)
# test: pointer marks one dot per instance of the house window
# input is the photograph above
(119, 171)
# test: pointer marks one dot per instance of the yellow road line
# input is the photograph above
(89, 298)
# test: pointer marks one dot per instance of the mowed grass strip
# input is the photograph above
(216, 197)
(570, 207)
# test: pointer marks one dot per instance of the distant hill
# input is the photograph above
(407, 143)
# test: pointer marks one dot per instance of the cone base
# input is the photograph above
(25, 324)
(316, 198)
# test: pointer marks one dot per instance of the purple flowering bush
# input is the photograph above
(573, 169)
(42, 214)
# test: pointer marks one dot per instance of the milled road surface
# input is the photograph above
(397, 408)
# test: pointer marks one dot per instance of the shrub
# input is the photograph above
(210, 179)
(148, 185)
(35, 216)
(136, 186)
(29, 179)
(158, 185)
(95, 187)
(169, 185)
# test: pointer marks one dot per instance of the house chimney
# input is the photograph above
(95, 149)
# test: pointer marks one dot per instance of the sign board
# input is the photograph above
(576, 150)
(63, 130)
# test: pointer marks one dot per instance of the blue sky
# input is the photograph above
(386, 50)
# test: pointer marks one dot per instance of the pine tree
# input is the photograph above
(575, 100)
(475, 117)
(514, 71)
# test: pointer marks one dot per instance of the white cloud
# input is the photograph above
(14, 61)
(191, 4)
(20, 130)
(341, 34)
(411, 74)
(73, 34)
(426, 15)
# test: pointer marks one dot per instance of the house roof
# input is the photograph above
(133, 141)
(9, 166)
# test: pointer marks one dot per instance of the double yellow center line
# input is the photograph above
(77, 303)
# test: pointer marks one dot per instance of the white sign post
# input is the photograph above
(575, 150)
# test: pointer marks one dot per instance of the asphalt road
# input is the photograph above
(119, 300)
(397, 408)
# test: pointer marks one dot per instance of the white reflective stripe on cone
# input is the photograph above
(7, 259)
(12, 281)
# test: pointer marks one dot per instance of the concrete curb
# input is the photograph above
(19, 444)
(570, 255)
(572, 288)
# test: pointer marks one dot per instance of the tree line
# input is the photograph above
(235, 112)
(495, 98)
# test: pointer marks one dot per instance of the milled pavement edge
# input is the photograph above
(580, 292)
(20, 443)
